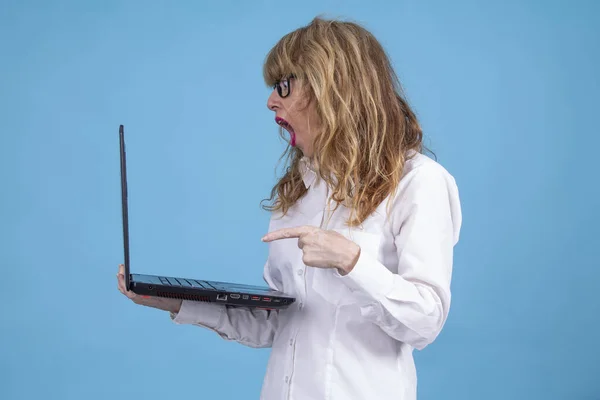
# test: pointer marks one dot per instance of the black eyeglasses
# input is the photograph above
(283, 86)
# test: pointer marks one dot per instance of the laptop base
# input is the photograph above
(230, 294)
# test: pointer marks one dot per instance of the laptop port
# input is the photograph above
(234, 296)
(267, 299)
(255, 298)
(150, 287)
(245, 297)
(222, 297)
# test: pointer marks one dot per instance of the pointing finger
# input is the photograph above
(287, 233)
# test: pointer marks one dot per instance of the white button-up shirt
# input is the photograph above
(352, 337)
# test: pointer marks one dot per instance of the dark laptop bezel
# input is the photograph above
(124, 206)
(223, 293)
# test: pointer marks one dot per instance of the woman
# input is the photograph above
(362, 230)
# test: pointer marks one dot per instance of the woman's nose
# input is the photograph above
(273, 101)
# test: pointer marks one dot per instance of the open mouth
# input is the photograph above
(286, 125)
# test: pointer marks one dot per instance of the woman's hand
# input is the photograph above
(321, 248)
(170, 305)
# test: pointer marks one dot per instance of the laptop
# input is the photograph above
(232, 294)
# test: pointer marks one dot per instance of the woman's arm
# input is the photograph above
(412, 305)
(250, 327)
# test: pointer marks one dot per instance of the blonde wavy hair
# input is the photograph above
(367, 129)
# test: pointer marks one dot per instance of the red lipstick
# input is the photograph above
(286, 125)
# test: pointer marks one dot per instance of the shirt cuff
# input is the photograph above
(369, 276)
(199, 313)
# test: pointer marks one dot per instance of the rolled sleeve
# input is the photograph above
(252, 327)
(372, 278)
(198, 313)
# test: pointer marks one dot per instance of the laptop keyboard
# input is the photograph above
(212, 285)
(186, 283)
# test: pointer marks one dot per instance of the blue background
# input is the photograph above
(507, 93)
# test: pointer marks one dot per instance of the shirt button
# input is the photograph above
(300, 306)
(300, 272)
(287, 379)
(291, 342)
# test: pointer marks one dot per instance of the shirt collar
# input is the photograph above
(307, 171)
